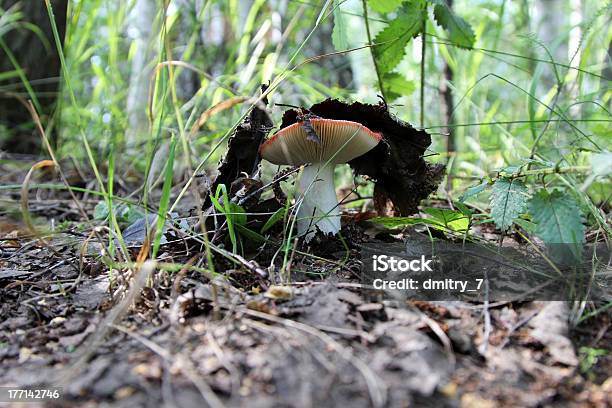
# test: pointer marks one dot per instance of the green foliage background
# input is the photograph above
(530, 130)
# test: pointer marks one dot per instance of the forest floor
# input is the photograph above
(187, 339)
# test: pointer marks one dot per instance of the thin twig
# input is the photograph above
(487, 318)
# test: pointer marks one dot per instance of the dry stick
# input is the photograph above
(221, 106)
(277, 179)
(438, 331)
(184, 364)
(376, 389)
(516, 327)
(487, 318)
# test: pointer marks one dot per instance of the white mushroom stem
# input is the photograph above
(319, 207)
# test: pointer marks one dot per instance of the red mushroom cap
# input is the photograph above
(340, 142)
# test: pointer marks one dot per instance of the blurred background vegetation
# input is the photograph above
(497, 83)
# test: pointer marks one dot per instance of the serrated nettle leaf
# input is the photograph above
(396, 85)
(557, 217)
(384, 6)
(339, 33)
(473, 191)
(459, 31)
(390, 43)
(601, 164)
(508, 200)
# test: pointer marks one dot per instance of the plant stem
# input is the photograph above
(367, 25)
(548, 170)
(448, 104)
(423, 43)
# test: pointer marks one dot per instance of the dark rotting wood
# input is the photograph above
(397, 164)
(242, 157)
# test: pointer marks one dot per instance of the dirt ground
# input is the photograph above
(111, 337)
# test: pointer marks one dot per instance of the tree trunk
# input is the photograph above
(41, 66)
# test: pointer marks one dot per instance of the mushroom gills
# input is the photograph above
(319, 207)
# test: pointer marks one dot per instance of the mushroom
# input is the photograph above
(339, 141)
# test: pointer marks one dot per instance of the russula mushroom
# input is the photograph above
(339, 142)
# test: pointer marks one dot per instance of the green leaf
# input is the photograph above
(101, 211)
(132, 214)
(234, 214)
(442, 219)
(460, 32)
(164, 200)
(250, 234)
(397, 85)
(237, 214)
(558, 218)
(450, 219)
(526, 225)
(397, 222)
(508, 200)
(531, 100)
(390, 43)
(274, 218)
(384, 6)
(339, 33)
(463, 208)
(473, 191)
